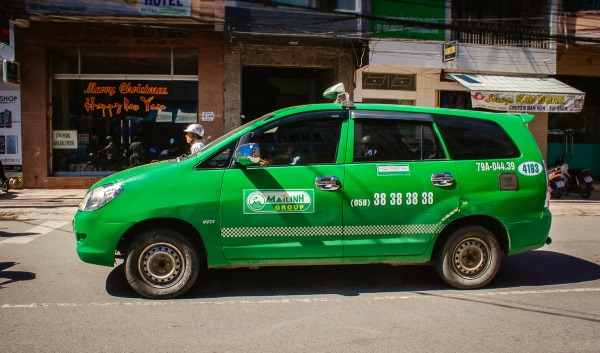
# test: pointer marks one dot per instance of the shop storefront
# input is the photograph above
(99, 108)
(104, 93)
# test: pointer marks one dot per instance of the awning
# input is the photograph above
(521, 94)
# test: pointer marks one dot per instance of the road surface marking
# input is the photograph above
(35, 232)
(308, 300)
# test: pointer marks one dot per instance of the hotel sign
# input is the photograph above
(179, 8)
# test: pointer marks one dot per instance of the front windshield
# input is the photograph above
(236, 130)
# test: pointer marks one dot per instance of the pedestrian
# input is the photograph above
(136, 151)
(193, 136)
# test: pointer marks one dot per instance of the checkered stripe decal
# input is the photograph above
(251, 232)
(391, 229)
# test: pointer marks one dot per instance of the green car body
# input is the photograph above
(403, 207)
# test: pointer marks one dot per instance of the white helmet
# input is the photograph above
(195, 129)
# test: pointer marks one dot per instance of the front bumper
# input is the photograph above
(96, 239)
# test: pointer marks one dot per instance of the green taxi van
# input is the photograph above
(336, 183)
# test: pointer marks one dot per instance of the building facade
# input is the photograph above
(467, 55)
(94, 78)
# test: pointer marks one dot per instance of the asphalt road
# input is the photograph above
(546, 300)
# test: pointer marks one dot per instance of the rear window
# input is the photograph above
(468, 138)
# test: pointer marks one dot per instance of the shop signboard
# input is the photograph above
(450, 51)
(528, 102)
(208, 116)
(64, 139)
(412, 20)
(145, 101)
(11, 153)
(180, 8)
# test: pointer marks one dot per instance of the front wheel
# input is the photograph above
(161, 263)
(469, 258)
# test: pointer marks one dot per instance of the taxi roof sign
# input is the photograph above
(339, 95)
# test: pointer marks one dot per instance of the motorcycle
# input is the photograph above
(578, 180)
(556, 181)
(4, 182)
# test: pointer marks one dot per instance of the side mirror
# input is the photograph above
(247, 154)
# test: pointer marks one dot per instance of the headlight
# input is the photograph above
(100, 196)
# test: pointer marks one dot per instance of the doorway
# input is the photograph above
(265, 89)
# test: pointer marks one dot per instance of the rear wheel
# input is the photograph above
(161, 263)
(470, 258)
(586, 192)
(556, 193)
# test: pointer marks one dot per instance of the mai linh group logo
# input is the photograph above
(279, 201)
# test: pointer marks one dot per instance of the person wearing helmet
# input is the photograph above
(366, 146)
(136, 150)
(111, 153)
(193, 136)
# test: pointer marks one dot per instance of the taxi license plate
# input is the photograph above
(588, 179)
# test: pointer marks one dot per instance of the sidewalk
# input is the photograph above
(40, 204)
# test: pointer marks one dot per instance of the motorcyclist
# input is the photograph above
(111, 152)
(136, 150)
(193, 136)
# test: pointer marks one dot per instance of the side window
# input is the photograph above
(468, 138)
(219, 160)
(308, 139)
(378, 140)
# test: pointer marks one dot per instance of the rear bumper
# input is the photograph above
(531, 235)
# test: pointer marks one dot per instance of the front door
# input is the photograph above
(393, 205)
(279, 209)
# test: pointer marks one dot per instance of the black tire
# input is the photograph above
(469, 259)
(161, 263)
(556, 193)
(587, 190)
(4, 186)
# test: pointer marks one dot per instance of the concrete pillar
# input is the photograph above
(539, 130)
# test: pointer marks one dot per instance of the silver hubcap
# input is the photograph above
(471, 257)
(161, 265)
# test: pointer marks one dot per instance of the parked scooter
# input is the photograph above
(556, 180)
(578, 180)
(4, 181)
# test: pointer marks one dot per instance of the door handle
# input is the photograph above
(442, 179)
(327, 183)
